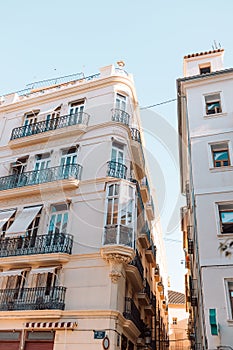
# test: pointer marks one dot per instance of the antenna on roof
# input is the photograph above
(215, 46)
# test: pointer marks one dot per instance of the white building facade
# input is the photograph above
(77, 259)
(205, 111)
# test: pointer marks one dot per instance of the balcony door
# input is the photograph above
(52, 120)
(58, 219)
(68, 161)
(76, 112)
(117, 168)
(14, 288)
(121, 102)
(42, 163)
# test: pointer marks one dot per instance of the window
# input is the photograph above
(120, 208)
(19, 166)
(213, 104)
(6, 219)
(205, 68)
(121, 102)
(30, 118)
(25, 222)
(58, 218)
(117, 153)
(174, 320)
(220, 153)
(42, 161)
(17, 283)
(76, 107)
(230, 294)
(226, 218)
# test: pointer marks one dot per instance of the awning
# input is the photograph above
(23, 220)
(11, 273)
(43, 270)
(5, 216)
(51, 325)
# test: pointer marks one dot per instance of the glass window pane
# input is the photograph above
(227, 217)
(221, 155)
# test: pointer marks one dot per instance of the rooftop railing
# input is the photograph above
(52, 124)
(29, 178)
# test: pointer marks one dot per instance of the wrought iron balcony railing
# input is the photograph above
(35, 177)
(146, 288)
(38, 298)
(44, 244)
(48, 125)
(135, 135)
(138, 264)
(133, 314)
(116, 169)
(119, 235)
(120, 116)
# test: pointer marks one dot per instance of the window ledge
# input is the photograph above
(225, 236)
(221, 168)
(215, 115)
(230, 322)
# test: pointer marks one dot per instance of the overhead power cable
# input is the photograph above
(158, 104)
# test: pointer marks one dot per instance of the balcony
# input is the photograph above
(150, 209)
(68, 174)
(134, 271)
(150, 309)
(144, 237)
(157, 273)
(150, 254)
(44, 244)
(38, 298)
(118, 235)
(45, 129)
(120, 116)
(145, 190)
(116, 169)
(132, 313)
(136, 145)
(144, 296)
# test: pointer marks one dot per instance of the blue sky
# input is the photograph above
(44, 39)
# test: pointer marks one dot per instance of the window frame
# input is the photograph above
(55, 214)
(228, 147)
(129, 201)
(220, 100)
(219, 219)
(205, 66)
(229, 302)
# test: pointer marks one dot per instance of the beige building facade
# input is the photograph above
(178, 321)
(78, 265)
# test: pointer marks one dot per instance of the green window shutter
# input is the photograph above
(213, 322)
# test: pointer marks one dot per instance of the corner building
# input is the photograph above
(205, 110)
(78, 264)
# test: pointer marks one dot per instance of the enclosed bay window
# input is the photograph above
(120, 214)
(213, 104)
(226, 218)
